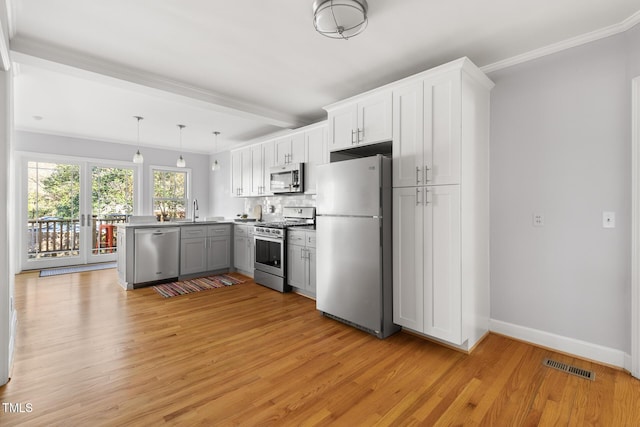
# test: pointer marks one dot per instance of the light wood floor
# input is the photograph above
(89, 353)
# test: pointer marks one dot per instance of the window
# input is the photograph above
(170, 193)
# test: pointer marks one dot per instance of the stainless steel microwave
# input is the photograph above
(287, 178)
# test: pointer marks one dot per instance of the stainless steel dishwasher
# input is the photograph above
(157, 252)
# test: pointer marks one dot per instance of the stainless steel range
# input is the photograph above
(271, 247)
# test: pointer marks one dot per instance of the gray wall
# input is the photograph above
(222, 204)
(7, 236)
(560, 146)
(51, 144)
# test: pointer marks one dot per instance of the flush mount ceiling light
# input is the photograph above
(340, 19)
(215, 165)
(137, 158)
(181, 162)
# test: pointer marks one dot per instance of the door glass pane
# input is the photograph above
(53, 206)
(111, 202)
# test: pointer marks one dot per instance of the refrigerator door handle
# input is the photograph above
(418, 201)
(417, 174)
(426, 197)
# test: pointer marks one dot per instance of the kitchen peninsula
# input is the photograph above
(155, 251)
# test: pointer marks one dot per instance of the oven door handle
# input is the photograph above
(268, 239)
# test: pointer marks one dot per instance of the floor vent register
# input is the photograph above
(573, 370)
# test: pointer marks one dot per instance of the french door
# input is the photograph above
(71, 209)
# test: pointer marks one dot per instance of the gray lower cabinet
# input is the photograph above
(301, 260)
(218, 247)
(243, 248)
(205, 248)
(193, 249)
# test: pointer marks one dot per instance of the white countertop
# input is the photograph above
(175, 223)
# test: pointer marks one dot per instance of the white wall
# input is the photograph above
(52, 144)
(560, 146)
(6, 235)
(222, 204)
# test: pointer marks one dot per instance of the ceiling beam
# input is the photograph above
(34, 53)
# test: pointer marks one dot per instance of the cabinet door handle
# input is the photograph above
(418, 201)
(417, 174)
(426, 173)
(360, 131)
(353, 135)
(426, 197)
(82, 220)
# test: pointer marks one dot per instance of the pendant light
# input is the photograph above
(181, 162)
(215, 166)
(137, 158)
(340, 19)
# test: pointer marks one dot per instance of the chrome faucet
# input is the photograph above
(195, 210)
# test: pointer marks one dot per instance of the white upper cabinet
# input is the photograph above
(251, 166)
(257, 166)
(408, 135)
(442, 131)
(316, 153)
(343, 123)
(236, 172)
(361, 122)
(427, 131)
(269, 160)
(290, 149)
(247, 172)
(241, 172)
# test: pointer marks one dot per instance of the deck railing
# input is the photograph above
(61, 237)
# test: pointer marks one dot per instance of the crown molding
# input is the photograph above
(566, 44)
(39, 54)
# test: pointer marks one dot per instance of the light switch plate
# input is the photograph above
(609, 219)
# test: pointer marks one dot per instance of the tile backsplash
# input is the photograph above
(272, 205)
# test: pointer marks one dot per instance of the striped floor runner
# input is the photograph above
(168, 290)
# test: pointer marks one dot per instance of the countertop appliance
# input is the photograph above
(287, 178)
(157, 254)
(270, 265)
(353, 243)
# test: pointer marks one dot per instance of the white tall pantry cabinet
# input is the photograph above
(441, 203)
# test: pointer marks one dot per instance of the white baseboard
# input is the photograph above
(583, 349)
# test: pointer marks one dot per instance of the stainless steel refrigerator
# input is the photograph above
(353, 243)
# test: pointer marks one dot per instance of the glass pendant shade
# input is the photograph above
(137, 158)
(215, 166)
(340, 19)
(181, 163)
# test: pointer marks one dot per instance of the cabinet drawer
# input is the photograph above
(240, 231)
(219, 230)
(296, 237)
(190, 232)
(311, 239)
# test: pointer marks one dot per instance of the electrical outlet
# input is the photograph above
(608, 219)
(538, 220)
